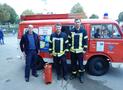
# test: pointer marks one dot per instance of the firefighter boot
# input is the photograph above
(81, 77)
(58, 77)
(73, 75)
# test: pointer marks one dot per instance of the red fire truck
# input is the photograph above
(102, 50)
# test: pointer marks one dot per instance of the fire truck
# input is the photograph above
(102, 50)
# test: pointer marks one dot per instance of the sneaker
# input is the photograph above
(27, 79)
(65, 78)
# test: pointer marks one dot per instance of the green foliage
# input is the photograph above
(27, 12)
(77, 8)
(4, 15)
(120, 17)
(94, 16)
(12, 12)
(7, 14)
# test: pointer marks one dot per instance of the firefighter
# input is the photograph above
(78, 46)
(58, 46)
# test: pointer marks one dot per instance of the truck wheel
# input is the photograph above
(98, 66)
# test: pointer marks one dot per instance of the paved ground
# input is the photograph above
(12, 74)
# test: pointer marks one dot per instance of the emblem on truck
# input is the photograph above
(111, 47)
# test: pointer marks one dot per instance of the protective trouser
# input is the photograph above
(74, 58)
(60, 65)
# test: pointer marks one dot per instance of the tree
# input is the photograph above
(7, 14)
(4, 15)
(120, 17)
(12, 13)
(77, 8)
(27, 12)
(94, 16)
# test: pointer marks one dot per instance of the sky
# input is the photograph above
(99, 7)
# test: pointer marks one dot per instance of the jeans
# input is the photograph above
(31, 57)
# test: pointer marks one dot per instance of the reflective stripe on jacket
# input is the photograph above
(58, 44)
(78, 40)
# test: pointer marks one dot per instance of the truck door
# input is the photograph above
(106, 39)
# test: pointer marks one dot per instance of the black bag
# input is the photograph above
(40, 63)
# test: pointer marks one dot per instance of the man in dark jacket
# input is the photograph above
(1, 37)
(78, 45)
(30, 47)
(58, 45)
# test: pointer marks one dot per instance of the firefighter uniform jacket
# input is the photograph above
(58, 44)
(78, 40)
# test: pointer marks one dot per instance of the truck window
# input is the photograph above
(25, 30)
(95, 31)
(67, 28)
(34, 29)
(116, 33)
(104, 31)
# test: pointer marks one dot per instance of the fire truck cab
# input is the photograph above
(105, 38)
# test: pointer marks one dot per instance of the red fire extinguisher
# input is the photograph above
(47, 74)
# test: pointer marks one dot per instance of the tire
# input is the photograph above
(97, 66)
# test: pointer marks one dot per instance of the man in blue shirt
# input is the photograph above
(30, 47)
